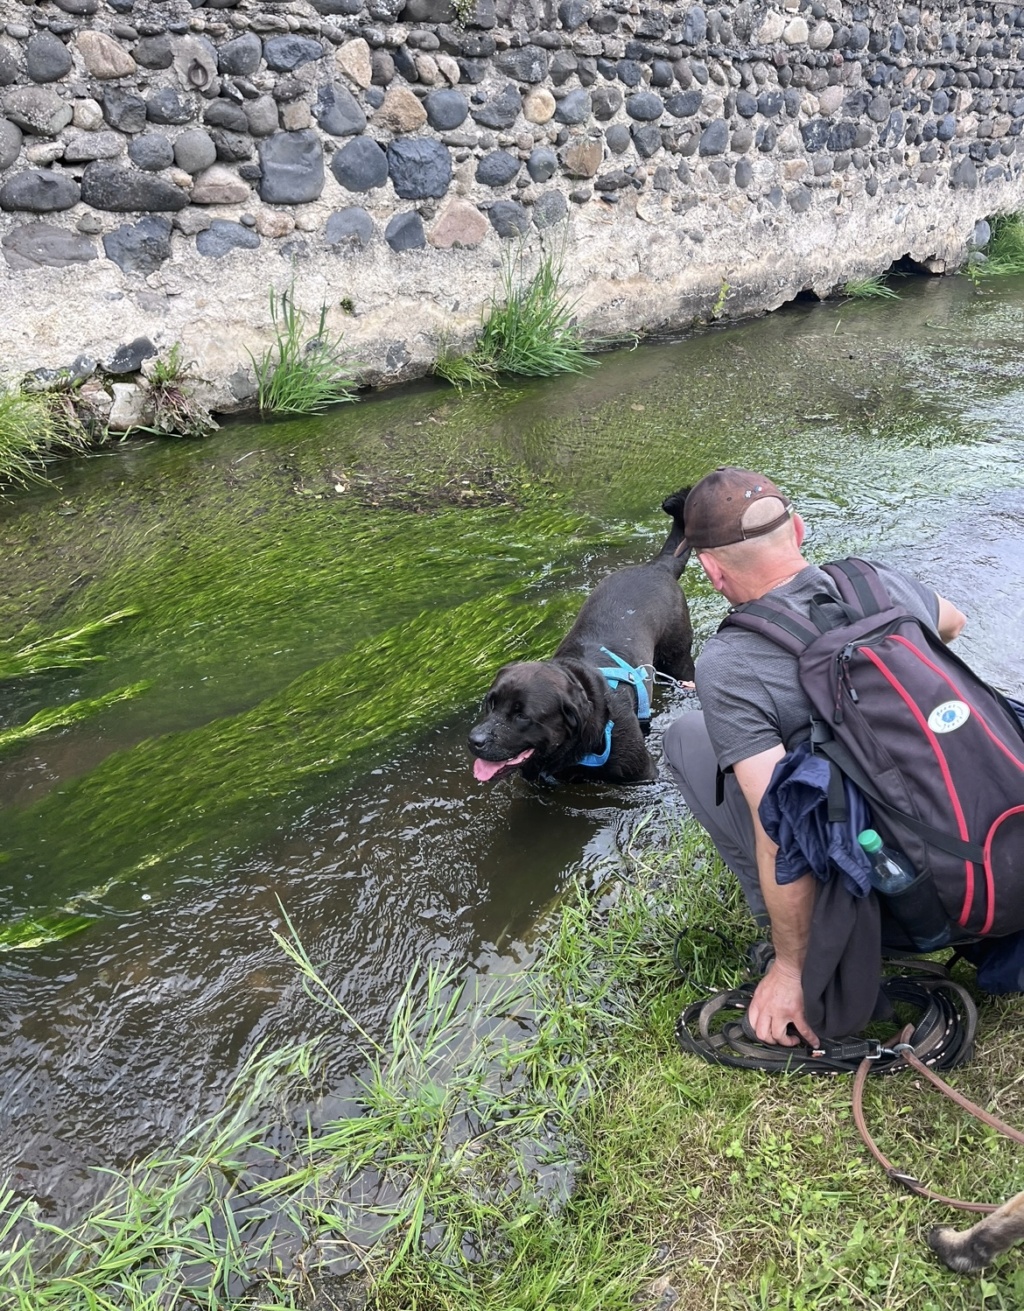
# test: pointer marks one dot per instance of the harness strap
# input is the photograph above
(899, 1176)
(859, 585)
(594, 760)
(626, 673)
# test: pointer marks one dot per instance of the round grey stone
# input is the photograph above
(405, 232)
(261, 115)
(606, 102)
(151, 151)
(508, 218)
(167, 106)
(497, 169)
(349, 227)
(574, 13)
(124, 110)
(502, 110)
(843, 136)
(629, 72)
(419, 168)
(38, 110)
(293, 167)
(771, 102)
(84, 146)
(799, 199)
(10, 143)
(78, 7)
(139, 247)
(617, 138)
(746, 104)
(122, 190)
(129, 356)
(360, 165)
(645, 106)
(338, 112)
(527, 64)
(226, 114)
(946, 129)
(47, 58)
(283, 53)
(194, 150)
(446, 110)
(695, 26)
(646, 139)
(542, 164)
(576, 107)
(714, 140)
(240, 57)
(40, 191)
(744, 174)
(231, 146)
(815, 133)
(155, 51)
(549, 209)
(8, 65)
(684, 103)
(41, 245)
(223, 236)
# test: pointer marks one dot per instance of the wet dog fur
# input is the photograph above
(542, 716)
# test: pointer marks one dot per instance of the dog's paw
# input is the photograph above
(955, 1249)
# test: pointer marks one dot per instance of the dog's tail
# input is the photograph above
(670, 554)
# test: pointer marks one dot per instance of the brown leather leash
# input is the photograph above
(903, 1048)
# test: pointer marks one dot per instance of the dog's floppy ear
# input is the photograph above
(574, 705)
(674, 505)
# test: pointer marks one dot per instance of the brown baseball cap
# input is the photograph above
(716, 507)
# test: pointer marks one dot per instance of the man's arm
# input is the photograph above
(951, 621)
(779, 998)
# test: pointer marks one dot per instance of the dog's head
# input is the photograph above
(534, 714)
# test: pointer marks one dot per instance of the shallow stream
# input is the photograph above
(318, 607)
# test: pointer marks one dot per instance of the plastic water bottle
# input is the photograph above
(911, 897)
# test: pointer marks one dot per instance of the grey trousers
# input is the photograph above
(688, 753)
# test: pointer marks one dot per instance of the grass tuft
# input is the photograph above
(302, 372)
(529, 330)
(542, 1142)
(26, 436)
(1004, 254)
(175, 409)
(874, 288)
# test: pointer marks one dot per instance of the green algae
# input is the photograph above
(46, 721)
(168, 795)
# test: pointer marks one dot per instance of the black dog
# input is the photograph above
(550, 718)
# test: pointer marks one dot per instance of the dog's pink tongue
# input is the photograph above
(485, 769)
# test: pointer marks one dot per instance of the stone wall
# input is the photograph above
(164, 163)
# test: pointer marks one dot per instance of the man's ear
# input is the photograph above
(798, 525)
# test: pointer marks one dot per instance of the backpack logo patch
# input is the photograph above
(948, 716)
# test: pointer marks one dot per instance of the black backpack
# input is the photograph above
(937, 753)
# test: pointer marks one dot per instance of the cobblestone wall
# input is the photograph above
(176, 159)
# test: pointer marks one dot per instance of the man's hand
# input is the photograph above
(777, 1003)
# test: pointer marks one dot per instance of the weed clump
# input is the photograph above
(529, 330)
(874, 288)
(1004, 254)
(25, 436)
(301, 372)
(175, 408)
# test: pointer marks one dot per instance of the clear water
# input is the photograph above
(320, 606)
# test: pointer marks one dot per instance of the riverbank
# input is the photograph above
(544, 1143)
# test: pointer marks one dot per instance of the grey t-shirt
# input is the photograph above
(748, 686)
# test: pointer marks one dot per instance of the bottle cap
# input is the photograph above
(870, 841)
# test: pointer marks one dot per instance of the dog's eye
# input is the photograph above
(516, 709)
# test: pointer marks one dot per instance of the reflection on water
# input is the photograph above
(320, 604)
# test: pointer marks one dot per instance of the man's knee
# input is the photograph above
(687, 749)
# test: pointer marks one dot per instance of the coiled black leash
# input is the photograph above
(943, 1036)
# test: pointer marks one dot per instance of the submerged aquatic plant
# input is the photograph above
(301, 372)
(529, 329)
(874, 288)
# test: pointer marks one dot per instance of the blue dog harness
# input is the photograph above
(615, 674)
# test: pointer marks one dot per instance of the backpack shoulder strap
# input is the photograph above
(859, 585)
(775, 621)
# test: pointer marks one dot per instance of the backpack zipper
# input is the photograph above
(843, 680)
